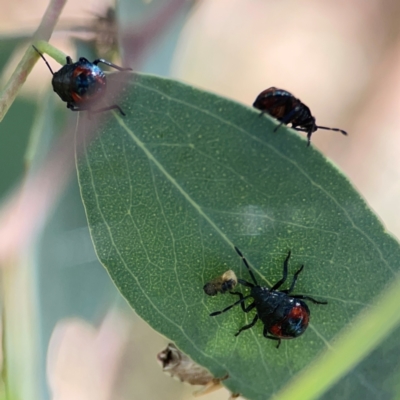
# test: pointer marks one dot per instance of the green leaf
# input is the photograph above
(187, 175)
(368, 331)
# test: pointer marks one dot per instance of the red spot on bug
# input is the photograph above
(298, 316)
(80, 70)
(76, 97)
(300, 313)
(269, 103)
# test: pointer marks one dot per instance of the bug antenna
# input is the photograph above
(332, 129)
(41, 55)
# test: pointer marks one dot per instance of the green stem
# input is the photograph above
(351, 347)
(47, 48)
(10, 91)
(4, 374)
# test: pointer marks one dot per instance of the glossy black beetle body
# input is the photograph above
(82, 84)
(287, 109)
(284, 316)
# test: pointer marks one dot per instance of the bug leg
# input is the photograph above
(250, 325)
(285, 271)
(73, 107)
(286, 119)
(266, 335)
(229, 307)
(247, 266)
(113, 107)
(287, 291)
(245, 309)
(110, 64)
(245, 283)
(299, 128)
(300, 296)
(309, 133)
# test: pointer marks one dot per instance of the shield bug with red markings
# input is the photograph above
(287, 109)
(82, 84)
(222, 284)
(284, 315)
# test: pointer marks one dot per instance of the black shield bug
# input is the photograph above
(82, 84)
(285, 316)
(287, 109)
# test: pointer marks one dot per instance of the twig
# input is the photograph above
(44, 31)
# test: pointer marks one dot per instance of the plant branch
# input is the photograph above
(17, 79)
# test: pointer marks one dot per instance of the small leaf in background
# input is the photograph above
(187, 175)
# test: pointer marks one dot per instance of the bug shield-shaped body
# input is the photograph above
(81, 83)
(282, 316)
(286, 108)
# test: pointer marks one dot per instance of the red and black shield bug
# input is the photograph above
(284, 316)
(287, 109)
(82, 84)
